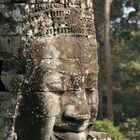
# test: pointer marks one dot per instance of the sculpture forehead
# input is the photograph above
(65, 54)
(69, 47)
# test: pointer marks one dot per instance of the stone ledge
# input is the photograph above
(93, 135)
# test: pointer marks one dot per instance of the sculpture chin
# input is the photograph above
(70, 136)
(71, 130)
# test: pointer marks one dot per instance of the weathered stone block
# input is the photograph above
(12, 82)
(43, 75)
(60, 47)
(11, 66)
(47, 99)
(9, 46)
(74, 66)
(7, 104)
(10, 29)
(66, 66)
(10, 13)
(7, 111)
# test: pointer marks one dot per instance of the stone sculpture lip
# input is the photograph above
(76, 127)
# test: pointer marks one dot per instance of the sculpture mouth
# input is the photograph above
(76, 127)
(72, 131)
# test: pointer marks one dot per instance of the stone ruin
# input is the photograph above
(49, 70)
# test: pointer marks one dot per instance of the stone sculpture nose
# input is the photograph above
(77, 109)
(72, 113)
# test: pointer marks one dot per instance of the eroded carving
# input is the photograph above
(55, 70)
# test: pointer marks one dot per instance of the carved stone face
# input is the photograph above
(63, 87)
(78, 98)
(78, 112)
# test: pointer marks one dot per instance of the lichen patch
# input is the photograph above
(16, 14)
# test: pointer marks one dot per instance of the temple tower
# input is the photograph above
(49, 69)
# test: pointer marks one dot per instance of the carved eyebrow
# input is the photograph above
(67, 72)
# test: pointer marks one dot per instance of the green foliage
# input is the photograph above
(131, 128)
(107, 126)
(125, 40)
(126, 82)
